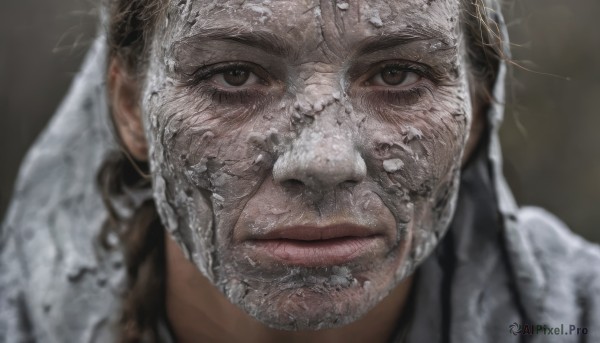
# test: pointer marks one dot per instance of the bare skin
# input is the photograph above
(305, 159)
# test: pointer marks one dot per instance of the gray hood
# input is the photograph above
(498, 264)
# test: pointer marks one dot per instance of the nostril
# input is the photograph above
(349, 184)
(293, 183)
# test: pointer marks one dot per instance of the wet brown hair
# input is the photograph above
(141, 235)
(131, 26)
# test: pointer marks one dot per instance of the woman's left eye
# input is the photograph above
(235, 78)
(394, 76)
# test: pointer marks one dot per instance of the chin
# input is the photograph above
(295, 298)
(310, 307)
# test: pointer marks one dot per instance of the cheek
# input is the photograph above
(201, 139)
(414, 156)
(416, 161)
(204, 171)
(205, 150)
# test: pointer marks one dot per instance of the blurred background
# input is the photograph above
(550, 137)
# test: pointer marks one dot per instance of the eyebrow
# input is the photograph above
(278, 46)
(264, 40)
(387, 40)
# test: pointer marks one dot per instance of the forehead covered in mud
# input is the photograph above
(308, 30)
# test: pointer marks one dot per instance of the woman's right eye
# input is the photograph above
(236, 77)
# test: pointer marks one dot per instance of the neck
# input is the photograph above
(197, 311)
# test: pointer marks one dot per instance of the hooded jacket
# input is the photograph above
(501, 273)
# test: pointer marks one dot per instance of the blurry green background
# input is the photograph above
(551, 134)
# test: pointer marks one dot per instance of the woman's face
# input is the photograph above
(306, 154)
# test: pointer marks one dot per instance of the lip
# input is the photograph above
(313, 246)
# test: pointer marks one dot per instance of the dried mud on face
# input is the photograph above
(313, 136)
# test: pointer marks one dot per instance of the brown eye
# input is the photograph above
(235, 78)
(395, 76)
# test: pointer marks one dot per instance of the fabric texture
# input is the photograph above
(497, 265)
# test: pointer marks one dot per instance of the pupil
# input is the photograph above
(393, 76)
(236, 77)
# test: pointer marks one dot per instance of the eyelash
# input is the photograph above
(203, 74)
(401, 97)
(421, 70)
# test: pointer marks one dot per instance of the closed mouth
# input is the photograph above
(316, 246)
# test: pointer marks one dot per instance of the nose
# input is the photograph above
(320, 161)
